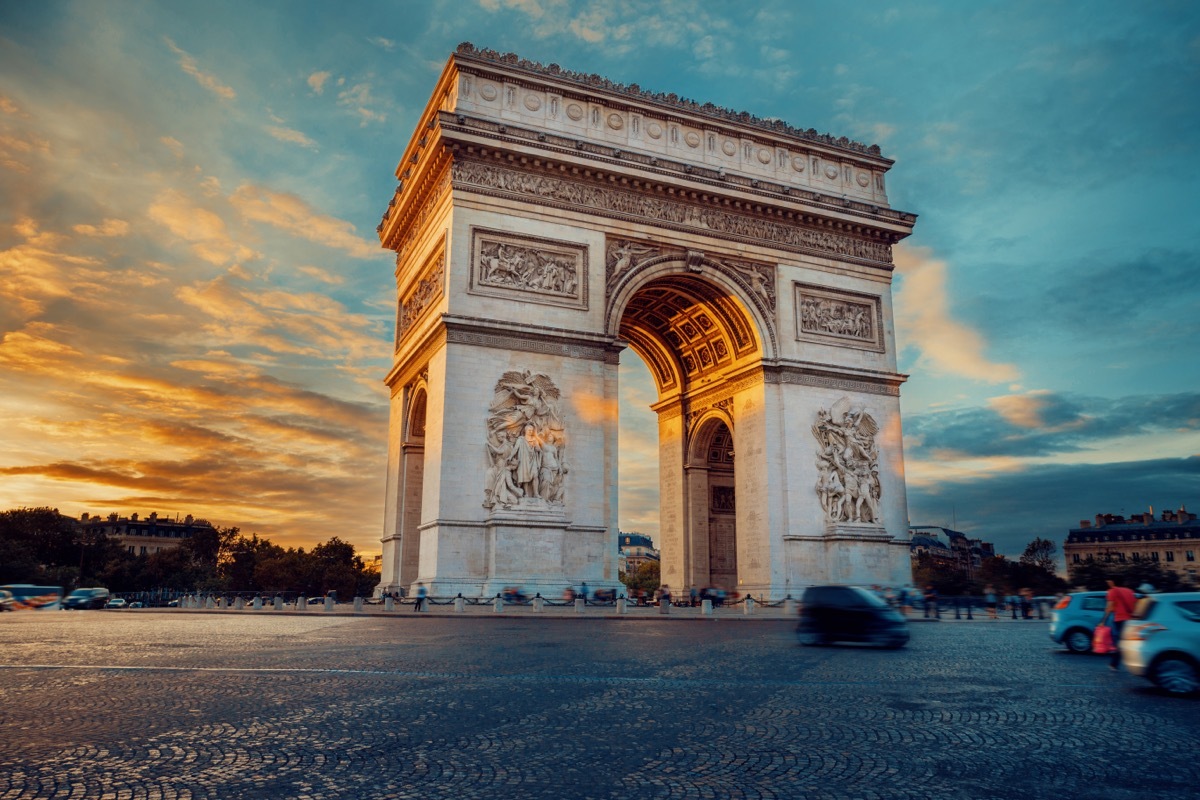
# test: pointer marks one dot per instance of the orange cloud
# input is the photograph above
(288, 212)
(110, 227)
(205, 79)
(924, 321)
(205, 229)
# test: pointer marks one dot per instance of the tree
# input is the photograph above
(647, 578)
(1040, 552)
(1093, 576)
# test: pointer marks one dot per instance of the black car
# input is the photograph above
(848, 614)
(86, 598)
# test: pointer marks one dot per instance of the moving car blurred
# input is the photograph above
(848, 614)
(1162, 641)
(1074, 618)
(137, 604)
(116, 602)
(86, 598)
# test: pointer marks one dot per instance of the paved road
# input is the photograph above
(226, 705)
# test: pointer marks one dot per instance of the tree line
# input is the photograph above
(41, 546)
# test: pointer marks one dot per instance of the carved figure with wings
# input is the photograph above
(848, 463)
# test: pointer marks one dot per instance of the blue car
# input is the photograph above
(1074, 618)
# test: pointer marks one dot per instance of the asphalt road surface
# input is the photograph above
(173, 704)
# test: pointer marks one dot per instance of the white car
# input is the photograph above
(116, 602)
(1162, 641)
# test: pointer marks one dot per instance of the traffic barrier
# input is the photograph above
(498, 605)
(460, 605)
(706, 607)
(579, 603)
(389, 604)
(358, 605)
(748, 609)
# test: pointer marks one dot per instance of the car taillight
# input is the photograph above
(1140, 633)
(1066, 601)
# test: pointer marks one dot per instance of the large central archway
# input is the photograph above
(695, 335)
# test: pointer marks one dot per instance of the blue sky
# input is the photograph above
(195, 316)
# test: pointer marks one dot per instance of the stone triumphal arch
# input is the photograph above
(544, 221)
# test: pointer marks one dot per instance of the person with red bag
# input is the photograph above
(1119, 602)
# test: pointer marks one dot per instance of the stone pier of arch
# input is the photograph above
(543, 222)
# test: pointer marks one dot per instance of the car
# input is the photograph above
(848, 614)
(137, 604)
(373, 601)
(316, 601)
(1074, 618)
(86, 598)
(6, 601)
(1162, 642)
(116, 602)
(172, 604)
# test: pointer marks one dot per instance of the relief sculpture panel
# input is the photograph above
(529, 269)
(526, 444)
(848, 319)
(848, 464)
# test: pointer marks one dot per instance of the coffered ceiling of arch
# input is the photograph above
(685, 328)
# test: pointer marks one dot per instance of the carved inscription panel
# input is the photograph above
(848, 319)
(528, 268)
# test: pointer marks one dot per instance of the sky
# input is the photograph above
(196, 316)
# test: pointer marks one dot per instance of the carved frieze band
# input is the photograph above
(847, 319)
(416, 223)
(684, 216)
(423, 294)
(528, 268)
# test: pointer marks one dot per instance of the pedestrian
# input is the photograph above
(989, 599)
(419, 605)
(1026, 603)
(1118, 608)
(931, 602)
(907, 595)
(664, 595)
(692, 595)
(583, 590)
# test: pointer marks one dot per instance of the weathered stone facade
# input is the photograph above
(544, 221)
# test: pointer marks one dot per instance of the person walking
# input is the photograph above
(420, 604)
(989, 599)
(1118, 607)
(931, 602)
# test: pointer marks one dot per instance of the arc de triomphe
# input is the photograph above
(545, 220)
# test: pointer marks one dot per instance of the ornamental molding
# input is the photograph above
(511, 61)
(690, 217)
(837, 317)
(414, 225)
(625, 257)
(529, 339)
(529, 269)
(825, 378)
(661, 163)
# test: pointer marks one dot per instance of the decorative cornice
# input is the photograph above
(508, 132)
(670, 100)
(692, 217)
(883, 383)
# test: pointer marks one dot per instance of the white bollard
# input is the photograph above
(538, 603)
(664, 607)
(620, 605)
(579, 605)
(389, 604)
(329, 603)
(789, 607)
(209, 602)
(706, 607)
(460, 605)
(238, 604)
(257, 603)
(358, 605)
(301, 603)
(749, 609)
(278, 603)
(498, 605)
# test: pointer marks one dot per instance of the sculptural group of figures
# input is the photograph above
(831, 316)
(526, 268)
(848, 464)
(525, 442)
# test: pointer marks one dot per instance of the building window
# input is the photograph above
(143, 550)
(1137, 556)
(1170, 555)
(1121, 557)
(1075, 558)
(1191, 555)
(1154, 556)
(131, 548)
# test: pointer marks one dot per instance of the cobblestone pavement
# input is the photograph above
(226, 705)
